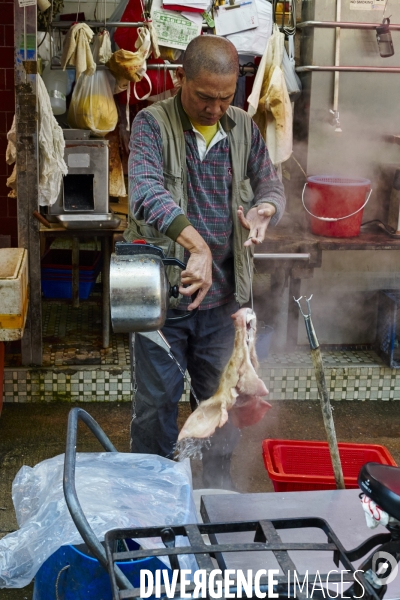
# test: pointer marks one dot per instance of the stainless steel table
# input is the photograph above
(340, 508)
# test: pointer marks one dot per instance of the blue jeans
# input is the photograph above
(203, 345)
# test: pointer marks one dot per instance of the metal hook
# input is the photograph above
(312, 337)
(308, 305)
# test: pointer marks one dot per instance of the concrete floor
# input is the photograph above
(30, 433)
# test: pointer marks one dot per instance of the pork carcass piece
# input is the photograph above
(240, 390)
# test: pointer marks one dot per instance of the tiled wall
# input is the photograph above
(107, 384)
(100, 385)
(8, 206)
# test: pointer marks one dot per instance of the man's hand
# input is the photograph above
(198, 272)
(257, 221)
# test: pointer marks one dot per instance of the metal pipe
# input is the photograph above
(344, 25)
(337, 74)
(250, 70)
(71, 497)
(307, 68)
(68, 24)
(282, 256)
(105, 68)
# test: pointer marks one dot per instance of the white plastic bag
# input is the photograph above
(114, 489)
(292, 80)
(92, 104)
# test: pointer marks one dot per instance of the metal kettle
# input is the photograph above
(139, 288)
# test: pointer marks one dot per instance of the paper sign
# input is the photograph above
(237, 17)
(22, 3)
(253, 42)
(367, 4)
(173, 30)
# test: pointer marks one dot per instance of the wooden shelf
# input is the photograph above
(290, 240)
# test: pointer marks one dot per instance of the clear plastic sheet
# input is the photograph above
(114, 489)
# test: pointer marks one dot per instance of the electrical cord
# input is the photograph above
(382, 225)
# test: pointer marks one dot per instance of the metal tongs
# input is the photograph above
(323, 394)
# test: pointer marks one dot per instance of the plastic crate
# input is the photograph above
(388, 327)
(294, 465)
(61, 260)
(57, 273)
(63, 289)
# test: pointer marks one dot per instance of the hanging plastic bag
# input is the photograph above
(92, 104)
(292, 80)
(129, 66)
(126, 39)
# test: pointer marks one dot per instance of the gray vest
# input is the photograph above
(167, 115)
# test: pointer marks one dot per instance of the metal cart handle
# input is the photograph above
(70, 494)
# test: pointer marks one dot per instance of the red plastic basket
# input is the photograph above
(294, 465)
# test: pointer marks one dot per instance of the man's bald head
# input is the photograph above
(212, 54)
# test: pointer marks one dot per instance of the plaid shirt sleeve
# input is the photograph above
(265, 182)
(149, 200)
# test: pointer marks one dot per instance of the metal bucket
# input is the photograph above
(138, 293)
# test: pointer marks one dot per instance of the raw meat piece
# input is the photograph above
(240, 390)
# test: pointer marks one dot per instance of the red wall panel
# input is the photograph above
(8, 206)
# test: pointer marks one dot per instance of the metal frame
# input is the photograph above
(338, 25)
(307, 68)
(266, 538)
(344, 25)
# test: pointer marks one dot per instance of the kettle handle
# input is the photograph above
(170, 262)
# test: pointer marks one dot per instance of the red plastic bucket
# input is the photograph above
(336, 204)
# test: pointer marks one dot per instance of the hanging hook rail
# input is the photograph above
(344, 25)
(168, 67)
(307, 68)
(68, 24)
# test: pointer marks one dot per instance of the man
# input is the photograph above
(203, 188)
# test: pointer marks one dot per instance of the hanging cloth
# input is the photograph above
(11, 157)
(52, 166)
(104, 51)
(76, 50)
(11, 152)
(51, 151)
(269, 102)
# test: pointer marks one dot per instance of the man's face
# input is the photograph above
(206, 98)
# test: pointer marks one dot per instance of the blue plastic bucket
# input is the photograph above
(85, 578)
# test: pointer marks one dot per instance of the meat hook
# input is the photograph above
(323, 393)
(312, 336)
(308, 305)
